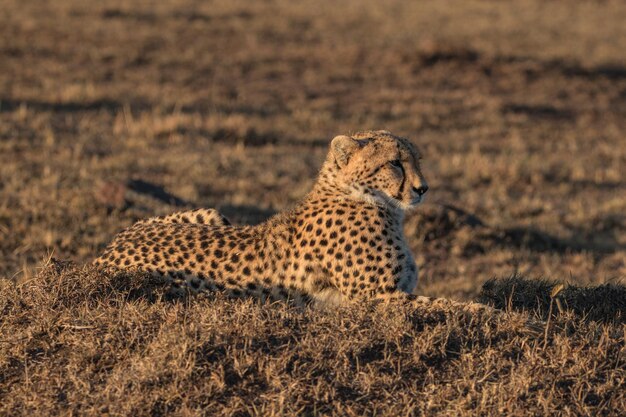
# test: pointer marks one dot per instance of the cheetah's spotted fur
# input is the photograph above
(207, 217)
(343, 241)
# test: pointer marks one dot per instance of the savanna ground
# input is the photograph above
(114, 112)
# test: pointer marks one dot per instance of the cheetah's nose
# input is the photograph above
(421, 190)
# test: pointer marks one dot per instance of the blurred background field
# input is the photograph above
(518, 107)
(119, 110)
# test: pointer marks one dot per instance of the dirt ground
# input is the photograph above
(115, 111)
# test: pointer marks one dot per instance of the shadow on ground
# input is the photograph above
(604, 303)
(446, 226)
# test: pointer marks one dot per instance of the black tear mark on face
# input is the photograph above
(403, 183)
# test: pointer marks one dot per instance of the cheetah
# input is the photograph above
(343, 241)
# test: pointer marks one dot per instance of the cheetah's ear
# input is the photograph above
(342, 147)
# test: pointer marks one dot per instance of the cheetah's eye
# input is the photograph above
(396, 163)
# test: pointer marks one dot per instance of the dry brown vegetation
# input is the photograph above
(77, 340)
(115, 111)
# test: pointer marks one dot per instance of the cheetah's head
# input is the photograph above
(379, 167)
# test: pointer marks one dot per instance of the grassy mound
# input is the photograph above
(81, 341)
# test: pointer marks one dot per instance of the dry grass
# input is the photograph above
(75, 340)
(113, 112)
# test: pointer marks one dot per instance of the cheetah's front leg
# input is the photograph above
(471, 309)
(442, 303)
